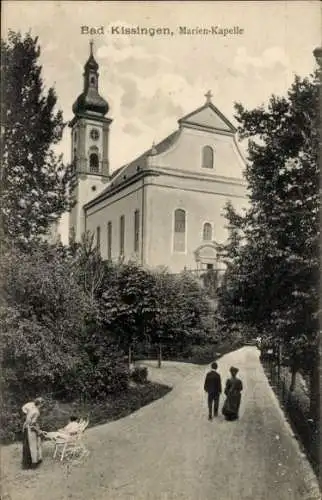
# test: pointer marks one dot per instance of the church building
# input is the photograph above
(165, 207)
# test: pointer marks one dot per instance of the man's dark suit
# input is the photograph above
(213, 388)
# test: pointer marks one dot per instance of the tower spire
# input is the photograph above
(91, 44)
(90, 100)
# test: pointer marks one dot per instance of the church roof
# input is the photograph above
(209, 116)
(90, 100)
(91, 63)
(141, 162)
(156, 149)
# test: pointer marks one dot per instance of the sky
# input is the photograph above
(152, 81)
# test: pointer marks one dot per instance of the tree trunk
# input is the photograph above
(279, 359)
(130, 356)
(293, 379)
(315, 393)
(159, 356)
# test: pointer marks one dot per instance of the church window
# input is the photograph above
(179, 241)
(93, 80)
(93, 163)
(98, 238)
(122, 235)
(109, 240)
(207, 157)
(136, 230)
(207, 232)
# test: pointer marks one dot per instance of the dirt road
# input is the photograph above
(169, 450)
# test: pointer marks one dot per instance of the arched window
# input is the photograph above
(207, 232)
(122, 235)
(207, 157)
(93, 162)
(136, 230)
(179, 239)
(92, 80)
(109, 240)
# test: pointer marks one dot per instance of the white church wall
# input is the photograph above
(110, 210)
(186, 153)
(202, 200)
(89, 185)
(201, 205)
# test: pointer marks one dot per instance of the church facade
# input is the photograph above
(164, 208)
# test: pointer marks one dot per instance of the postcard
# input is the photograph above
(146, 356)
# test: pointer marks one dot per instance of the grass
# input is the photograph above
(112, 408)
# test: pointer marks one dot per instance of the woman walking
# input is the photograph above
(234, 387)
(31, 441)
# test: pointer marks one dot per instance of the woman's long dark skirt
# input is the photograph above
(230, 409)
(26, 454)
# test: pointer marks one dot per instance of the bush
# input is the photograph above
(11, 422)
(95, 379)
(140, 374)
(42, 318)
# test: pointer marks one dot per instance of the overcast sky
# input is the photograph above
(150, 82)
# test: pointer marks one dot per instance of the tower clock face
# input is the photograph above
(94, 134)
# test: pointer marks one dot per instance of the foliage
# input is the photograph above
(42, 319)
(210, 281)
(101, 372)
(272, 255)
(140, 305)
(52, 339)
(35, 183)
(140, 374)
(91, 270)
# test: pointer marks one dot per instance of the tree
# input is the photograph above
(43, 319)
(129, 303)
(272, 256)
(35, 183)
(91, 269)
(158, 308)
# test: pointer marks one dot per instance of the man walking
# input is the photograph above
(213, 388)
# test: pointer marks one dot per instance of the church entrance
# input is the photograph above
(206, 257)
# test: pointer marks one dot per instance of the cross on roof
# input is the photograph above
(208, 96)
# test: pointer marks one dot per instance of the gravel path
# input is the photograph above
(169, 450)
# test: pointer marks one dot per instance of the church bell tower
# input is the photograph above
(89, 144)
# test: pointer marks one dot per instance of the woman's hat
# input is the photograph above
(233, 370)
